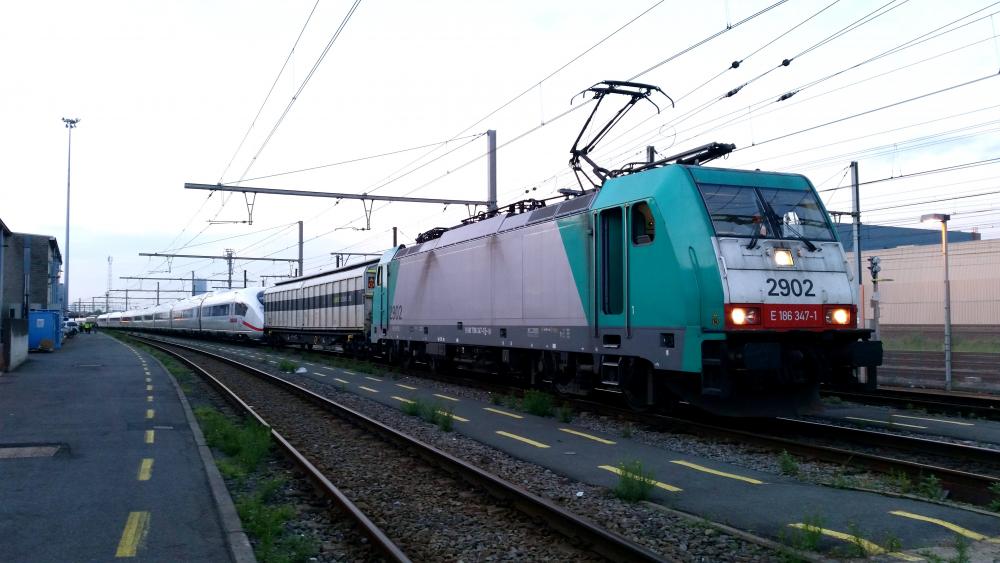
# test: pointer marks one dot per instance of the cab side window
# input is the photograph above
(643, 225)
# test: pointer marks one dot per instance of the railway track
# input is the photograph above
(959, 404)
(882, 452)
(412, 500)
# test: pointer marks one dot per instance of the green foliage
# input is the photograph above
(627, 430)
(246, 445)
(511, 402)
(431, 413)
(265, 523)
(286, 366)
(537, 403)
(496, 399)
(445, 420)
(634, 483)
(930, 487)
(565, 414)
(832, 400)
(995, 502)
(891, 543)
(789, 466)
(802, 539)
(842, 480)
(901, 481)
(961, 550)
(858, 548)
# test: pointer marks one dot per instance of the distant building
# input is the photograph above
(13, 331)
(31, 265)
(875, 237)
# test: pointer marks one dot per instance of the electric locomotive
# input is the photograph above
(668, 281)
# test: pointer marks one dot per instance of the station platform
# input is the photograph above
(98, 461)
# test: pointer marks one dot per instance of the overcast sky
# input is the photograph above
(167, 90)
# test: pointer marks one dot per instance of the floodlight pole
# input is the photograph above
(301, 271)
(70, 125)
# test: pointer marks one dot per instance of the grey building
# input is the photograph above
(877, 237)
(31, 267)
(13, 331)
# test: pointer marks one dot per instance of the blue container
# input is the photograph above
(44, 330)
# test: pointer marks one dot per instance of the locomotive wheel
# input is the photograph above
(638, 386)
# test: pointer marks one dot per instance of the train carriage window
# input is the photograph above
(241, 309)
(643, 225)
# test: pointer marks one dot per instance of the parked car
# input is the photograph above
(70, 328)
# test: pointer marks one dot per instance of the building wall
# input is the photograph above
(39, 257)
(911, 284)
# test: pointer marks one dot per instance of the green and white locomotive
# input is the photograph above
(670, 281)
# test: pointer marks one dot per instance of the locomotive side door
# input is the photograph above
(611, 276)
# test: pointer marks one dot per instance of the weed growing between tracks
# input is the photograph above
(789, 466)
(246, 446)
(432, 413)
(634, 483)
(961, 553)
(995, 502)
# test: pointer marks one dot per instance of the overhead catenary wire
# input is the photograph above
(270, 91)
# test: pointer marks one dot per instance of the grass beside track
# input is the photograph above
(242, 451)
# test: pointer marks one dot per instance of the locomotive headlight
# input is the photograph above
(838, 316)
(741, 316)
(783, 257)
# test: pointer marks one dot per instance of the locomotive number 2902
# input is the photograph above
(798, 288)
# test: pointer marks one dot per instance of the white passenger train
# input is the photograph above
(237, 313)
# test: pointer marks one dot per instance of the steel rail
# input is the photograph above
(980, 406)
(605, 542)
(963, 485)
(379, 539)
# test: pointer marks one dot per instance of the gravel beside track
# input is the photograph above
(429, 514)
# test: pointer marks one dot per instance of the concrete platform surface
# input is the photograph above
(98, 461)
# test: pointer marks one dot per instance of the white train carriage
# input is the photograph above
(326, 309)
(233, 313)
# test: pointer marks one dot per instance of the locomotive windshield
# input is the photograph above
(745, 211)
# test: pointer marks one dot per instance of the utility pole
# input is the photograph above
(491, 171)
(301, 271)
(229, 264)
(107, 292)
(70, 125)
(856, 214)
(395, 242)
(244, 279)
(157, 293)
(650, 154)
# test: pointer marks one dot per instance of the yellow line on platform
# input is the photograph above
(888, 422)
(368, 389)
(505, 413)
(150, 436)
(523, 439)
(944, 524)
(697, 467)
(349, 372)
(402, 399)
(146, 469)
(319, 374)
(149, 398)
(456, 417)
(150, 413)
(341, 380)
(446, 397)
(934, 420)
(149, 388)
(664, 486)
(406, 387)
(148, 380)
(584, 435)
(373, 379)
(870, 548)
(136, 528)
